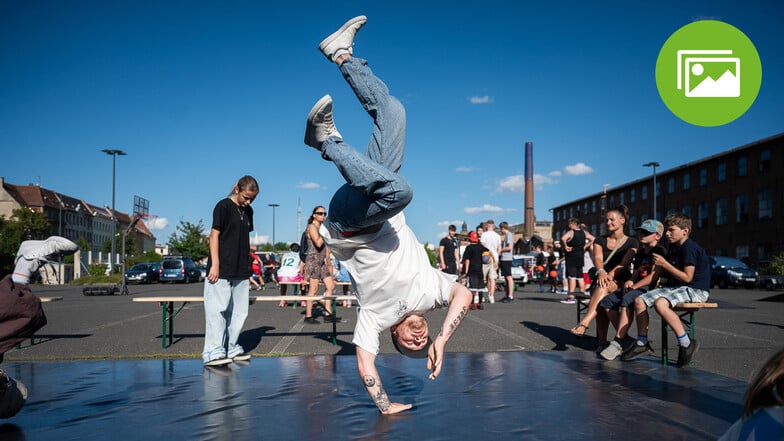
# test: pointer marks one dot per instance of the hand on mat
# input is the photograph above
(396, 408)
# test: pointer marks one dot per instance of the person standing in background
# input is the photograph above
(226, 289)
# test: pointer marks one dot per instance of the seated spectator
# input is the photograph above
(763, 410)
(612, 254)
(619, 305)
(687, 270)
(290, 269)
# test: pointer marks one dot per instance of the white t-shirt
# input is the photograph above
(392, 277)
(289, 265)
(491, 240)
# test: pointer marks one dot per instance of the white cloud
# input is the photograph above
(480, 99)
(446, 224)
(578, 169)
(464, 169)
(308, 186)
(512, 184)
(542, 179)
(486, 208)
(157, 223)
(555, 174)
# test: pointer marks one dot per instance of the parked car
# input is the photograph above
(147, 272)
(203, 271)
(726, 271)
(521, 264)
(179, 269)
(768, 277)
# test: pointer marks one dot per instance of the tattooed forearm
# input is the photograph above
(369, 381)
(381, 399)
(456, 322)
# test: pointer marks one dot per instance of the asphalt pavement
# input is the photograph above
(736, 338)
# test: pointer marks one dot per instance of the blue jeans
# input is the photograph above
(225, 310)
(374, 191)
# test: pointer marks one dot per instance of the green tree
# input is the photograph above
(24, 224)
(189, 239)
(431, 255)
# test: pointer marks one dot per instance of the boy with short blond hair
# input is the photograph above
(687, 272)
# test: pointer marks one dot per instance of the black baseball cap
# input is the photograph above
(422, 353)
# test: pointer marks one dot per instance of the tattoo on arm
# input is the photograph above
(369, 381)
(381, 399)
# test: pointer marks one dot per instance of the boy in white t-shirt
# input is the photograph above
(290, 270)
(366, 229)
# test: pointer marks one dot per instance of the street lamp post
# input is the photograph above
(113, 153)
(274, 206)
(654, 165)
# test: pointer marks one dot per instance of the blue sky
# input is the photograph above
(199, 93)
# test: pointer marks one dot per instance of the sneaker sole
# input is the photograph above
(315, 110)
(218, 362)
(333, 36)
(242, 357)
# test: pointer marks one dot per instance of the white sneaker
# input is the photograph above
(320, 125)
(218, 362)
(491, 299)
(242, 357)
(612, 351)
(343, 38)
(43, 250)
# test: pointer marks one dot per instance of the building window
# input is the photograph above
(622, 198)
(686, 210)
(765, 202)
(593, 206)
(671, 185)
(658, 189)
(742, 166)
(721, 211)
(703, 177)
(612, 201)
(585, 209)
(632, 195)
(764, 161)
(571, 211)
(742, 252)
(741, 209)
(721, 172)
(633, 223)
(644, 193)
(686, 181)
(702, 215)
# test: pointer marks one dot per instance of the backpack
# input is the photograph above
(303, 246)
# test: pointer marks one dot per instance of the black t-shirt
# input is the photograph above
(235, 224)
(643, 261)
(690, 254)
(576, 256)
(449, 250)
(623, 275)
(473, 254)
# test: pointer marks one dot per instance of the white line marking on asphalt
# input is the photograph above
(286, 341)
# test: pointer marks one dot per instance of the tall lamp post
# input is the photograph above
(113, 153)
(654, 165)
(274, 206)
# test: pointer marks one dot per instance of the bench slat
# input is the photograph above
(694, 305)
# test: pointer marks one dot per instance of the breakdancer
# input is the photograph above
(20, 310)
(366, 228)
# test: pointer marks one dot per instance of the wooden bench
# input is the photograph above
(168, 313)
(296, 285)
(685, 312)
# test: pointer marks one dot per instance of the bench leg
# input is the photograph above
(687, 323)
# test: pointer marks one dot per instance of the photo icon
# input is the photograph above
(698, 73)
(708, 74)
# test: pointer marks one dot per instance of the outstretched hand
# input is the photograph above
(435, 358)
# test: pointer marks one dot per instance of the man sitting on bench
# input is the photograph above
(366, 228)
(687, 271)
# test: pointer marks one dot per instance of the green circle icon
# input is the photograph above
(708, 73)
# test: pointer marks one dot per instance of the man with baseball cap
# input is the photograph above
(619, 305)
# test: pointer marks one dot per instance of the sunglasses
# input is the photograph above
(321, 213)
